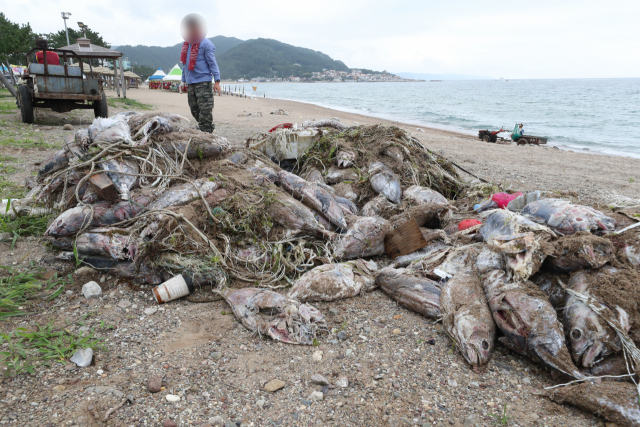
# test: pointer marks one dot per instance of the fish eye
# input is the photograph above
(576, 334)
(485, 345)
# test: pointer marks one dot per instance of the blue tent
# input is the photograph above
(158, 75)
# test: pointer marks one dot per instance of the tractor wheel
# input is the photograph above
(523, 141)
(26, 104)
(486, 138)
(101, 108)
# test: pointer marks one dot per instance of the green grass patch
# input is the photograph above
(10, 189)
(128, 102)
(26, 349)
(8, 107)
(17, 287)
(4, 93)
(23, 226)
(26, 141)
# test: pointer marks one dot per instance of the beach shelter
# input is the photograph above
(175, 75)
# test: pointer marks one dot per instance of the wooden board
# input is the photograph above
(404, 240)
(104, 187)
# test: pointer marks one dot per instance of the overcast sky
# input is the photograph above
(511, 39)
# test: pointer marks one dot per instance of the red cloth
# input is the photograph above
(468, 223)
(503, 199)
(52, 58)
(194, 54)
(283, 126)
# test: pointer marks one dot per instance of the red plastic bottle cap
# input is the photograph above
(468, 223)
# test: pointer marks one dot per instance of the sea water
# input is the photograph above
(593, 115)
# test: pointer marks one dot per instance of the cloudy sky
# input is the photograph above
(511, 39)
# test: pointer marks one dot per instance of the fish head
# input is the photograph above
(345, 158)
(474, 339)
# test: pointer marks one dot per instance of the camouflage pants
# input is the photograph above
(200, 97)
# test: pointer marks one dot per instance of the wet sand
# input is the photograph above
(591, 176)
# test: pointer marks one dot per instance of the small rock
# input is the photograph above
(343, 382)
(349, 352)
(216, 355)
(342, 335)
(83, 273)
(172, 398)
(453, 383)
(83, 357)
(332, 311)
(396, 331)
(260, 403)
(154, 384)
(317, 355)
(124, 304)
(91, 290)
(316, 396)
(169, 423)
(151, 310)
(319, 379)
(6, 236)
(217, 421)
(67, 127)
(274, 385)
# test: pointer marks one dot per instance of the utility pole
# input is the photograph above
(65, 16)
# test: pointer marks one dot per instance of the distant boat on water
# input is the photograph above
(435, 80)
(502, 79)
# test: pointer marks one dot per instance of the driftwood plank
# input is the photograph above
(404, 240)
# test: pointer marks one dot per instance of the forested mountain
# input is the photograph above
(167, 57)
(237, 58)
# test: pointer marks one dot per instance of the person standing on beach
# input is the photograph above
(200, 68)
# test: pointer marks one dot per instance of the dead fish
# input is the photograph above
(125, 269)
(627, 247)
(125, 180)
(107, 242)
(238, 158)
(423, 195)
(137, 121)
(314, 176)
(614, 401)
(72, 220)
(590, 337)
(615, 365)
(415, 293)
(578, 251)
(281, 318)
(186, 192)
(347, 206)
(430, 254)
(528, 321)
(265, 172)
(332, 282)
(376, 206)
(314, 196)
(476, 258)
(82, 138)
(345, 190)
(549, 284)
(345, 159)
(518, 238)
(335, 175)
(293, 215)
(324, 222)
(155, 126)
(467, 319)
(202, 150)
(385, 182)
(110, 130)
(567, 218)
(395, 152)
(364, 238)
(58, 161)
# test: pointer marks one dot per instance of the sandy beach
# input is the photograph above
(401, 368)
(590, 176)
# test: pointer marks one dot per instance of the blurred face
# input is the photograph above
(193, 28)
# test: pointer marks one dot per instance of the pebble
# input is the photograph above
(274, 385)
(154, 384)
(333, 312)
(317, 396)
(319, 379)
(349, 352)
(124, 303)
(151, 310)
(342, 335)
(91, 290)
(396, 331)
(169, 423)
(343, 382)
(217, 421)
(67, 127)
(260, 403)
(83, 357)
(317, 355)
(172, 398)
(216, 355)
(453, 383)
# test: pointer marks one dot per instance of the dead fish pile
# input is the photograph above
(141, 197)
